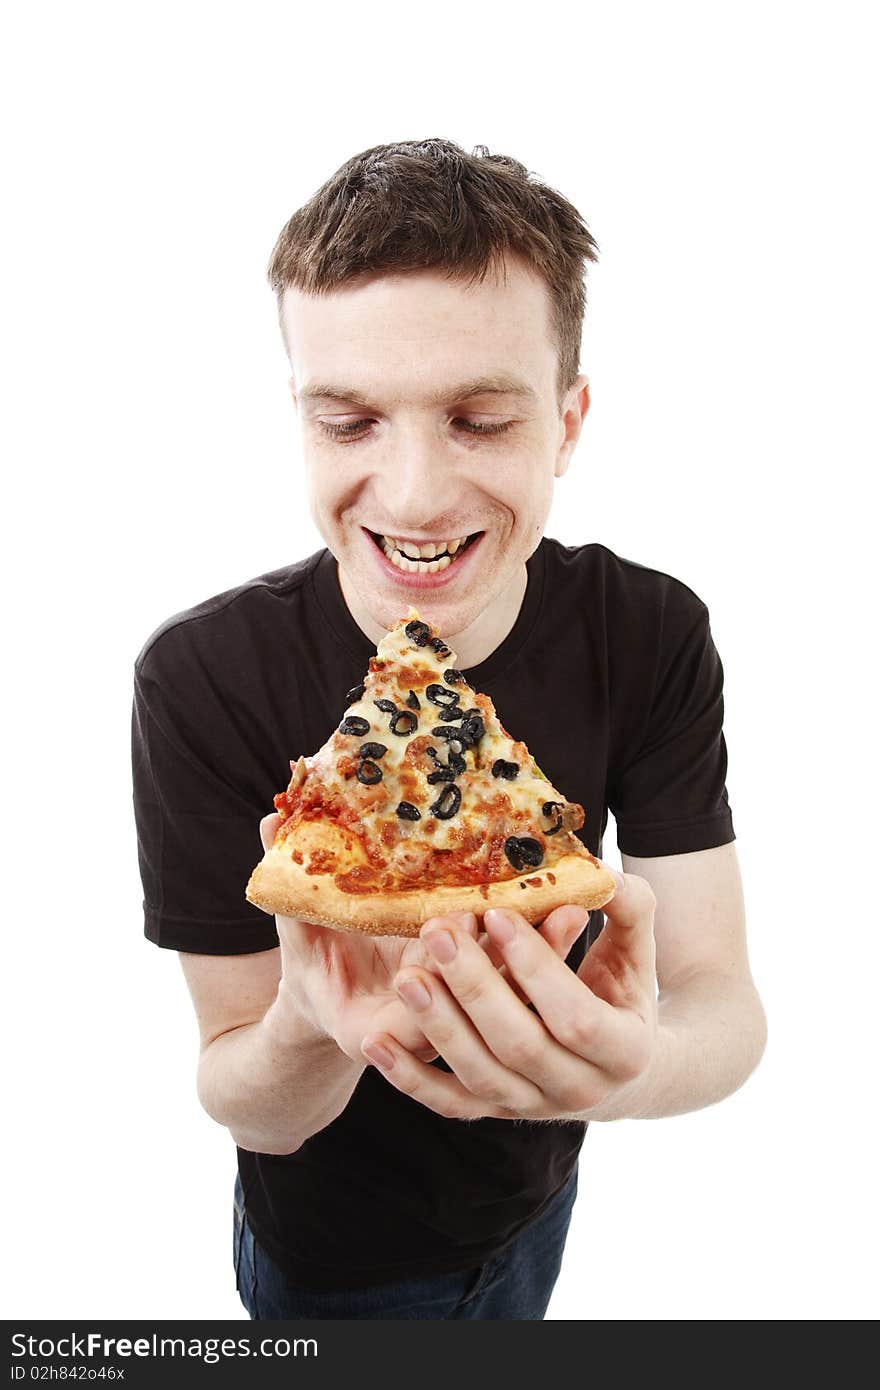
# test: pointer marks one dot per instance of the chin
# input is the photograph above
(449, 615)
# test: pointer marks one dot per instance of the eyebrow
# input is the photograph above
(480, 386)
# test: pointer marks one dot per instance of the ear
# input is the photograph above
(574, 412)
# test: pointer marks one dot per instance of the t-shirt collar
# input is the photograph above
(328, 595)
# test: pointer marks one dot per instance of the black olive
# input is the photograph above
(403, 723)
(418, 633)
(442, 774)
(388, 706)
(447, 732)
(355, 725)
(451, 712)
(468, 735)
(354, 695)
(453, 677)
(448, 771)
(439, 695)
(523, 852)
(369, 773)
(506, 770)
(440, 646)
(472, 729)
(453, 758)
(372, 750)
(412, 700)
(407, 811)
(447, 802)
(548, 809)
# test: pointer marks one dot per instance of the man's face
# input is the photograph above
(429, 416)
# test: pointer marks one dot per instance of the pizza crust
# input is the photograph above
(279, 884)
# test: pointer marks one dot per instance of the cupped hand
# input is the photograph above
(343, 983)
(580, 1053)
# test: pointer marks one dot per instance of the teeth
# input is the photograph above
(403, 562)
(421, 559)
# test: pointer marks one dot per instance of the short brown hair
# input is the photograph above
(420, 204)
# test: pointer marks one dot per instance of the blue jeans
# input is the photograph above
(515, 1285)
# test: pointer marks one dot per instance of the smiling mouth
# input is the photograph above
(423, 559)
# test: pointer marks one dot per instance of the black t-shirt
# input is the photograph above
(609, 675)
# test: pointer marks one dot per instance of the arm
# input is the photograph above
(711, 1029)
(281, 1029)
(264, 1071)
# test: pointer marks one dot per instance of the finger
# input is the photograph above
(471, 1057)
(436, 1090)
(561, 929)
(464, 921)
(492, 1041)
(269, 829)
(405, 1026)
(563, 926)
(409, 1036)
(394, 1017)
(580, 1021)
(495, 956)
(629, 920)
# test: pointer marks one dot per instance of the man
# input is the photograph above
(407, 1153)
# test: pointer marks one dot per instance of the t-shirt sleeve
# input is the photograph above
(197, 834)
(668, 795)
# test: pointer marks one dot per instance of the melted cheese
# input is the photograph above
(490, 806)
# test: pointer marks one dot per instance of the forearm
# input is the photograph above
(276, 1082)
(711, 1035)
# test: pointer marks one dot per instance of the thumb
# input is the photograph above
(269, 829)
(629, 915)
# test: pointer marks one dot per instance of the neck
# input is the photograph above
(475, 643)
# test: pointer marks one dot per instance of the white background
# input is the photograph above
(724, 159)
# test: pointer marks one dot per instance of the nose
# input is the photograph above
(416, 478)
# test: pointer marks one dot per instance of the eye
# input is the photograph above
(356, 429)
(351, 430)
(474, 427)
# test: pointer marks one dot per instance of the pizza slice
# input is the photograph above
(421, 803)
